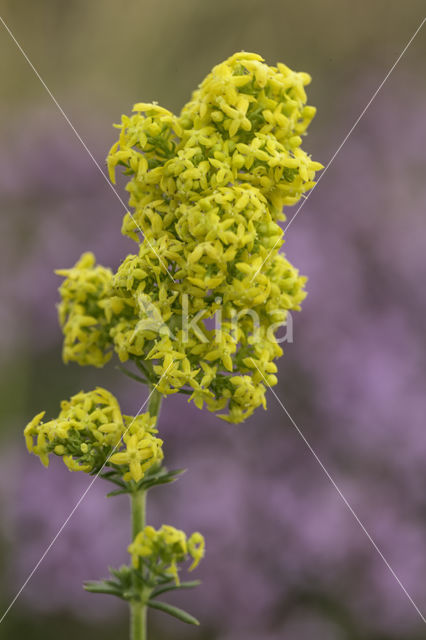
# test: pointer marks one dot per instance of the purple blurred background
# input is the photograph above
(286, 559)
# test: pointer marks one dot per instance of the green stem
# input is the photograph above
(138, 512)
(154, 403)
(138, 610)
(138, 627)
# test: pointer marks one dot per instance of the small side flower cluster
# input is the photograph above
(207, 189)
(163, 549)
(85, 332)
(89, 428)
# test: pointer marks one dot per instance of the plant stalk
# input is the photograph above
(138, 610)
(138, 626)
(154, 403)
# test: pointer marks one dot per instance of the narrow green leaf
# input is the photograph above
(176, 472)
(101, 587)
(113, 583)
(123, 573)
(155, 483)
(117, 492)
(112, 476)
(182, 615)
(118, 483)
(173, 587)
(107, 474)
(161, 477)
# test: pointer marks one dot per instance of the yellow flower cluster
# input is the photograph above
(86, 339)
(88, 428)
(205, 294)
(142, 448)
(164, 548)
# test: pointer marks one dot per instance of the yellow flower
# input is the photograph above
(143, 449)
(38, 447)
(207, 189)
(81, 314)
(86, 430)
(90, 431)
(196, 549)
(165, 548)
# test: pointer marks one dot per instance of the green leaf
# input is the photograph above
(182, 615)
(123, 574)
(155, 483)
(114, 476)
(177, 472)
(103, 587)
(160, 477)
(163, 472)
(117, 492)
(173, 587)
(107, 474)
